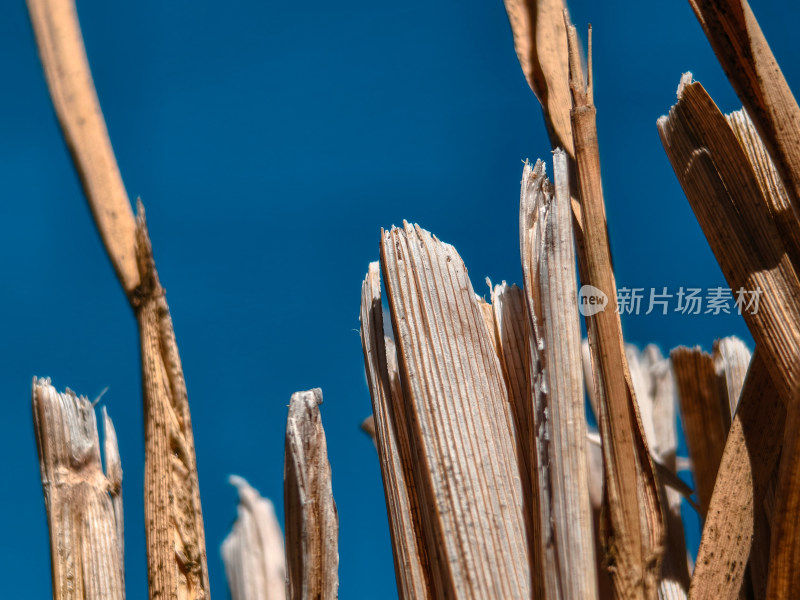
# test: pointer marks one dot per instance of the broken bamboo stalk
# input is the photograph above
(788, 227)
(558, 422)
(83, 504)
(394, 447)
(540, 41)
(465, 464)
(784, 576)
(736, 215)
(653, 380)
(731, 361)
(746, 58)
(176, 550)
(633, 507)
(566, 418)
(114, 476)
(769, 181)
(512, 338)
(311, 520)
(748, 461)
(253, 552)
(511, 333)
(66, 68)
(704, 417)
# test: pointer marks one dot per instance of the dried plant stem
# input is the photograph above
(176, 545)
(745, 55)
(558, 422)
(463, 441)
(176, 549)
(540, 40)
(84, 505)
(731, 362)
(704, 416)
(566, 420)
(748, 461)
(511, 333)
(66, 68)
(653, 380)
(769, 181)
(394, 447)
(311, 520)
(513, 343)
(253, 551)
(736, 216)
(535, 199)
(736, 211)
(636, 522)
(114, 476)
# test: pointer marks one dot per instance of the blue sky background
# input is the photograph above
(270, 142)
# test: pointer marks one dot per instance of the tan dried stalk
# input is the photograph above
(557, 309)
(471, 499)
(704, 417)
(789, 229)
(84, 505)
(536, 192)
(731, 361)
(114, 476)
(511, 334)
(633, 508)
(253, 553)
(750, 455)
(558, 422)
(487, 311)
(737, 217)
(540, 40)
(176, 547)
(769, 181)
(394, 447)
(784, 576)
(311, 520)
(747, 60)
(652, 377)
(594, 461)
(177, 565)
(66, 68)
